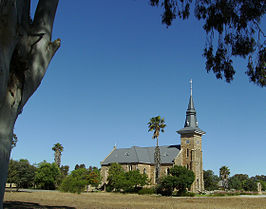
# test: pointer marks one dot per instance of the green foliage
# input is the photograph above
(21, 173)
(94, 176)
(79, 178)
(243, 182)
(64, 170)
(179, 178)
(210, 180)
(151, 190)
(262, 180)
(119, 180)
(237, 23)
(76, 181)
(47, 175)
(14, 141)
(250, 185)
(156, 124)
(77, 166)
(58, 149)
(116, 177)
(237, 181)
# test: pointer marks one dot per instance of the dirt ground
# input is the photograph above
(56, 200)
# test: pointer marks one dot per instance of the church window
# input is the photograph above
(187, 141)
(167, 171)
(190, 166)
(144, 170)
(130, 167)
(187, 153)
(191, 155)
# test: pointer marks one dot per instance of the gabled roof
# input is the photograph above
(143, 155)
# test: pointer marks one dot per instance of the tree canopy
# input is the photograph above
(58, 149)
(237, 23)
(210, 180)
(47, 175)
(119, 180)
(21, 173)
(179, 178)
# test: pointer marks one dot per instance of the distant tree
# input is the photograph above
(134, 181)
(116, 177)
(76, 181)
(64, 170)
(179, 178)
(157, 125)
(94, 176)
(210, 180)
(21, 173)
(47, 175)
(250, 184)
(237, 23)
(237, 181)
(80, 178)
(78, 166)
(58, 149)
(119, 180)
(262, 180)
(224, 175)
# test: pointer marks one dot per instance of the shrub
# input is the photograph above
(47, 175)
(180, 178)
(147, 191)
(119, 180)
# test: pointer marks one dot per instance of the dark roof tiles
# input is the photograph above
(143, 155)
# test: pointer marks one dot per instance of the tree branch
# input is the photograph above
(8, 22)
(44, 17)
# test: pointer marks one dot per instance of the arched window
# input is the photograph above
(167, 171)
(130, 167)
(144, 170)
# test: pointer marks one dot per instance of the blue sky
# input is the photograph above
(118, 66)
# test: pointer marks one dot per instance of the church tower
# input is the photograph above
(191, 152)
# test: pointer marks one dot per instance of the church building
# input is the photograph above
(188, 153)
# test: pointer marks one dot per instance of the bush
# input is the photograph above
(76, 181)
(47, 176)
(147, 191)
(180, 178)
(129, 182)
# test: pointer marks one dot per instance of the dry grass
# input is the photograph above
(110, 200)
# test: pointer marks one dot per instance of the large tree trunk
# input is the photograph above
(25, 52)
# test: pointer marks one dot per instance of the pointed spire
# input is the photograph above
(191, 123)
(191, 119)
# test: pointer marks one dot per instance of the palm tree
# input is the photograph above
(58, 149)
(157, 125)
(224, 174)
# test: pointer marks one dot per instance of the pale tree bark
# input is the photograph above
(157, 161)
(25, 53)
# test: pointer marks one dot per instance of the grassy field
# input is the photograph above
(23, 200)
